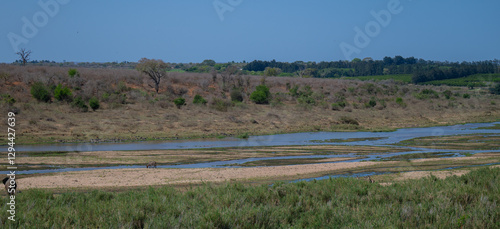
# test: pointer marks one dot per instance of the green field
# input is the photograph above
(469, 201)
(406, 78)
(478, 80)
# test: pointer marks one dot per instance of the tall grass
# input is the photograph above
(469, 201)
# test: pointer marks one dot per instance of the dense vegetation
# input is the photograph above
(469, 201)
(419, 70)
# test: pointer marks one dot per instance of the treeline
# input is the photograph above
(454, 71)
(423, 70)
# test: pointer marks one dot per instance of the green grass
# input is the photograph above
(469, 201)
(337, 140)
(406, 78)
(495, 127)
(478, 80)
(417, 156)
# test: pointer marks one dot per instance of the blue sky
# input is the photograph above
(285, 30)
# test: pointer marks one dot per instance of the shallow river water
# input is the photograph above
(317, 138)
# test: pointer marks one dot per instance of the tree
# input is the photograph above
(155, 69)
(272, 71)
(227, 76)
(208, 62)
(24, 55)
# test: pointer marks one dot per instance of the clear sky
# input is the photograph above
(237, 30)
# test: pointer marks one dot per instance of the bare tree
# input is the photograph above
(24, 55)
(155, 69)
(227, 76)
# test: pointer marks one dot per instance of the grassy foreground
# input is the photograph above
(469, 201)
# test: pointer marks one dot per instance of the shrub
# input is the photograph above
(198, 99)
(400, 101)
(94, 103)
(221, 104)
(348, 120)
(371, 103)
(307, 100)
(236, 95)
(427, 93)
(260, 95)
(339, 106)
(179, 102)
(72, 72)
(244, 135)
(40, 92)
(80, 104)
(62, 93)
(8, 99)
(466, 96)
(447, 94)
(496, 89)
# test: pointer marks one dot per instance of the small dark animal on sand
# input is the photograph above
(10, 188)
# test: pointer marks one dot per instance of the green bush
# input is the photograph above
(261, 95)
(400, 101)
(339, 106)
(447, 94)
(426, 94)
(496, 89)
(40, 92)
(236, 95)
(8, 99)
(466, 96)
(62, 93)
(245, 135)
(94, 103)
(371, 103)
(80, 104)
(179, 102)
(198, 99)
(72, 72)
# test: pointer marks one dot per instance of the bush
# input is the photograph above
(80, 104)
(400, 101)
(339, 106)
(447, 94)
(40, 92)
(427, 93)
(496, 89)
(179, 102)
(348, 120)
(8, 99)
(198, 99)
(94, 103)
(236, 95)
(371, 103)
(62, 93)
(72, 72)
(221, 104)
(261, 95)
(466, 96)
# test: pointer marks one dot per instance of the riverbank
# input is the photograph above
(130, 112)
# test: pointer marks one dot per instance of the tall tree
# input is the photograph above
(155, 69)
(24, 55)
